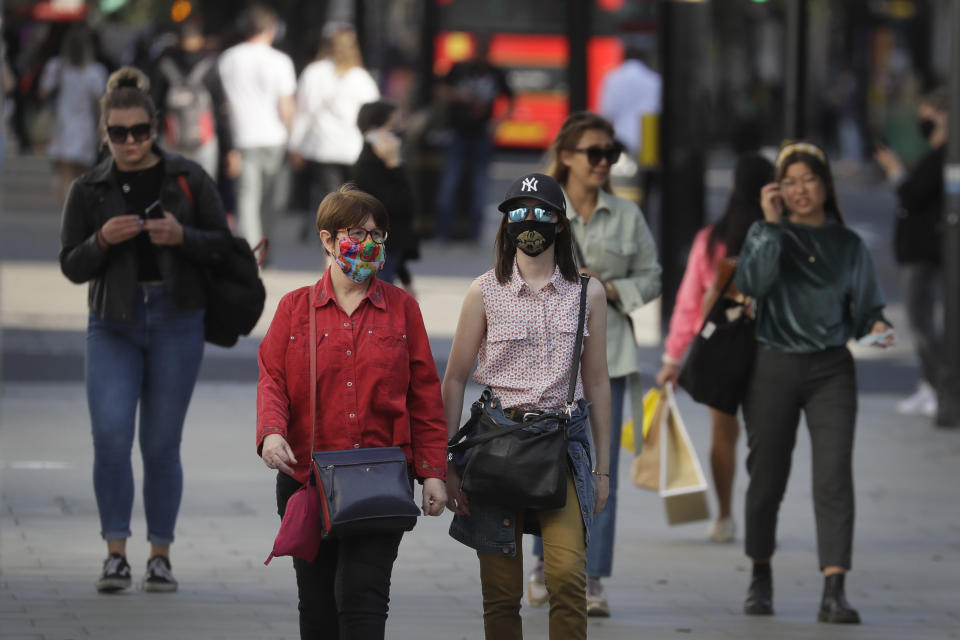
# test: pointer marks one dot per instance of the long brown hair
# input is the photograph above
(820, 168)
(567, 138)
(505, 251)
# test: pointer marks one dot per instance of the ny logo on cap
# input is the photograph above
(529, 184)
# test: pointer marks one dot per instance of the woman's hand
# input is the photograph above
(434, 496)
(602, 493)
(882, 327)
(771, 201)
(277, 454)
(119, 229)
(165, 231)
(457, 500)
(386, 145)
(889, 161)
(669, 372)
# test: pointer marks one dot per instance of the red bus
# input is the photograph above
(527, 39)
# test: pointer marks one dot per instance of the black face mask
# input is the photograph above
(532, 236)
(926, 126)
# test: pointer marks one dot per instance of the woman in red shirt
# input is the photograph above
(377, 387)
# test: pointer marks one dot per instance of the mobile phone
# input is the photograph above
(153, 211)
(875, 338)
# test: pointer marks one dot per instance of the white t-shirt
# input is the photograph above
(325, 127)
(629, 92)
(255, 76)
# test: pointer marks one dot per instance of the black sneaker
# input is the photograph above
(159, 578)
(116, 574)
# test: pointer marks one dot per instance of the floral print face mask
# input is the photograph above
(360, 260)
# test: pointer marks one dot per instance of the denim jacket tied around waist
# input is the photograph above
(490, 528)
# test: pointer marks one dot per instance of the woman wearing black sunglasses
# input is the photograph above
(140, 227)
(614, 245)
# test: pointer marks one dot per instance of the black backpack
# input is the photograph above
(188, 106)
(235, 292)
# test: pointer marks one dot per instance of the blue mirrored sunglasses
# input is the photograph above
(519, 214)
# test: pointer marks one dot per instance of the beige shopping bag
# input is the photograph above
(646, 464)
(682, 485)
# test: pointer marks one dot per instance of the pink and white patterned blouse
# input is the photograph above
(526, 353)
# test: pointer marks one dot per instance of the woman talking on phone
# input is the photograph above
(815, 289)
(139, 227)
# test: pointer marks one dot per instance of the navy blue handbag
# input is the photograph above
(364, 491)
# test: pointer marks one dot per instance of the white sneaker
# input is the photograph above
(537, 594)
(597, 606)
(922, 403)
(722, 530)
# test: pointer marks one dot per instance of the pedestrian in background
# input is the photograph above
(712, 260)
(371, 328)
(631, 91)
(131, 231)
(615, 247)
(380, 172)
(526, 311)
(916, 243)
(187, 90)
(260, 84)
(74, 81)
(469, 91)
(325, 140)
(814, 285)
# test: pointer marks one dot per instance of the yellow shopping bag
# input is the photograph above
(627, 436)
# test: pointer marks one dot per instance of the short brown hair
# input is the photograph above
(347, 207)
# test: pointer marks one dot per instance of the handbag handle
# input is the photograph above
(723, 291)
(312, 312)
(581, 320)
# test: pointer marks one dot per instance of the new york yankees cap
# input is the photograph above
(536, 186)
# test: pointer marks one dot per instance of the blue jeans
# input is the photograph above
(154, 360)
(478, 150)
(600, 549)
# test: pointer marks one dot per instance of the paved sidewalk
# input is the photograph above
(668, 583)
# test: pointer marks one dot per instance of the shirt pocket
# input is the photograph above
(567, 325)
(618, 255)
(390, 349)
(504, 332)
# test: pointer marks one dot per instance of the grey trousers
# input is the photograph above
(823, 385)
(260, 191)
(920, 287)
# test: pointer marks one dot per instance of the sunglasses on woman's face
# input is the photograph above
(141, 132)
(542, 214)
(597, 153)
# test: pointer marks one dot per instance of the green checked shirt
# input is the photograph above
(618, 245)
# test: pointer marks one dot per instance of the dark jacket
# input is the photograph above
(391, 187)
(95, 197)
(917, 235)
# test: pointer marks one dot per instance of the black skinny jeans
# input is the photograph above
(822, 384)
(345, 593)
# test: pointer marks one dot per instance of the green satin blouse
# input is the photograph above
(814, 287)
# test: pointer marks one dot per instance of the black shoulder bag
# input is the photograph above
(234, 290)
(519, 464)
(718, 367)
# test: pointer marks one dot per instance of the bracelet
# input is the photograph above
(597, 473)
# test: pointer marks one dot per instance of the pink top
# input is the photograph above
(526, 353)
(687, 315)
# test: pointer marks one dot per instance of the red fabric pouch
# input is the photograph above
(300, 530)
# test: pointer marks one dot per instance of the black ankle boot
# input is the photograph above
(834, 606)
(759, 600)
